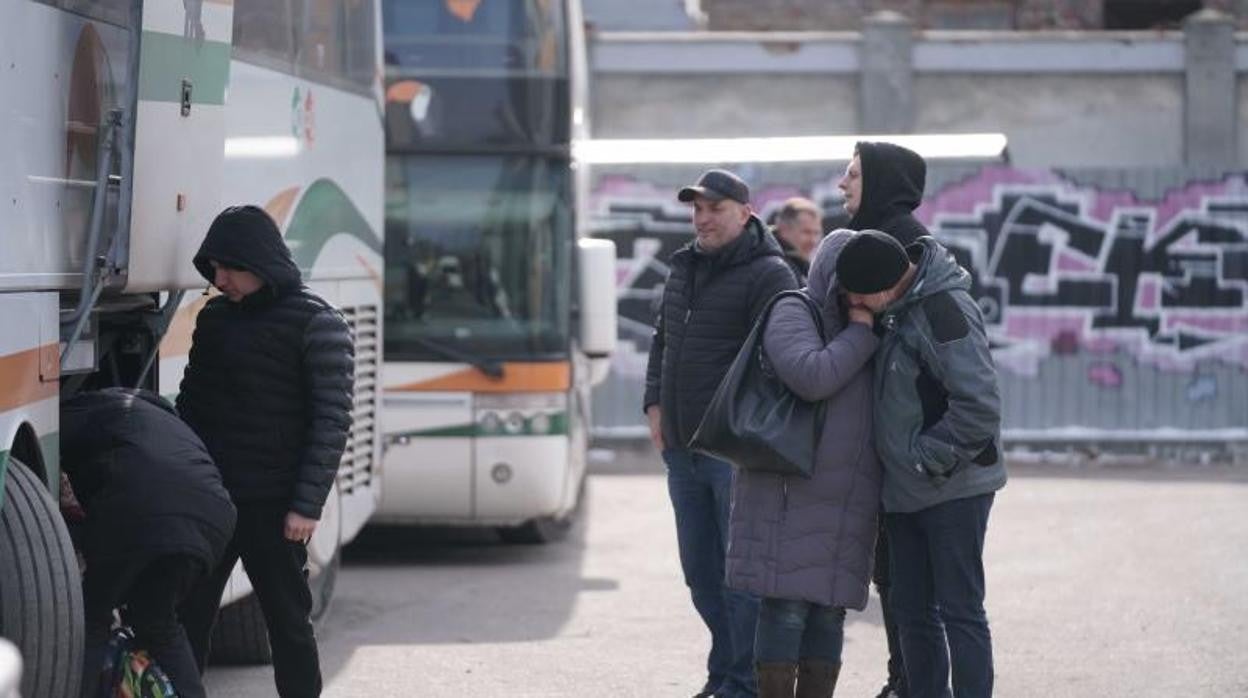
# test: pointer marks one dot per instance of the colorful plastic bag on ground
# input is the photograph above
(131, 673)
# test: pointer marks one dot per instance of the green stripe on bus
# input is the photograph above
(324, 211)
(558, 427)
(169, 59)
(50, 444)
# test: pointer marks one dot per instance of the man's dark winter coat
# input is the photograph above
(269, 383)
(799, 264)
(146, 481)
(710, 303)
(893, 178)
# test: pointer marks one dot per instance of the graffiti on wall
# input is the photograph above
(1133, 290)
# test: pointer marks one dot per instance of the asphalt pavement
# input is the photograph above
(1104, 579)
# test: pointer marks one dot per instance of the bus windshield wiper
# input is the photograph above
(490, 367)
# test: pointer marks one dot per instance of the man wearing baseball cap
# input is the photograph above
(937, 433)
(717, 286)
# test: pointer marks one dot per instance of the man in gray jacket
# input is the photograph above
(937, 432)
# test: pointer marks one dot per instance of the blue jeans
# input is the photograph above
(701, 492)
(937, 597)
(789, 631)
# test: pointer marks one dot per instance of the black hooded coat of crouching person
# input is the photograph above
(268, 387)
(157, 520)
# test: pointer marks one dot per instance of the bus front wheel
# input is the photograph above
(241, 637)
(539, 531)
(40, 587)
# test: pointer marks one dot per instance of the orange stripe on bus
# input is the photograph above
(177, 340)
(20, 383)
(517, 378)
(279, 206)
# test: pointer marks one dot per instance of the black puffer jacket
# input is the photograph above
(893, 178)
(269, 383)
(146, 481)
(709, 305)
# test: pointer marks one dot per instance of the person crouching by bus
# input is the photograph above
(268, 387)
(157, 519)
(804, 545)
(718, 285)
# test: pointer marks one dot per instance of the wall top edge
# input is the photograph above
(943, 36)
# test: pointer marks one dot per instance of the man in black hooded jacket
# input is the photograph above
(883, 184)
(269, 389)
(157, 520)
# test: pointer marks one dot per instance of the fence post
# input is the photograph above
(886, 76)
(1209, 107)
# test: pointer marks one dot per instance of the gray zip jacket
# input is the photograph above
(937, 405)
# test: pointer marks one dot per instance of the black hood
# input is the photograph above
(893, 179)
(245, 237)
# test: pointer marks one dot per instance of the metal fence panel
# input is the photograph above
(1114, 299)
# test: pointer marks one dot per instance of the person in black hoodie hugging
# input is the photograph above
(157, 520)
(883, 184)
(268, 387)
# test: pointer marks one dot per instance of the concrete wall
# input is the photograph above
(690, 105)
(1061, 120)
(1243, 117)
(1089, 99)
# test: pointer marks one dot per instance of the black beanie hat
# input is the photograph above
(871, 262)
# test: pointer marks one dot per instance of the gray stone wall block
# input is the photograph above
(1210, 115)
(886, 81)
(722, 106)
(1061, 120)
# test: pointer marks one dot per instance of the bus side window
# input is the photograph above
(264, 33)
(321, 44)
(361, 32)
(112, 11)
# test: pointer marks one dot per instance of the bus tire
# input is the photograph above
(539, 531)
(40, 587)
(241, 637)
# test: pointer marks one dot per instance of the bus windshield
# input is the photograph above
(475, 73)
(475, 246)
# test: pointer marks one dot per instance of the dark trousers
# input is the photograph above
(937, 596)
(150, 589)
(883, 580)
(276, 568)
(789, 631)
(701, 492)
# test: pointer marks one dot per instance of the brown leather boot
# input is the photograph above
(817, 678)
(775, 679)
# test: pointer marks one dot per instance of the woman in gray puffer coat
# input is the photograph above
(805, 545)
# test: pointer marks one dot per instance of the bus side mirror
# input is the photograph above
(598, 297)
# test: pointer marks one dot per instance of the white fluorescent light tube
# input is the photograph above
(781, 149)
(262, 147)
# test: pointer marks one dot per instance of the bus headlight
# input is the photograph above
(540, 423)
(491, 423)
(514, 423)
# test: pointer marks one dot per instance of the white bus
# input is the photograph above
(499, 311)
(125, 126)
